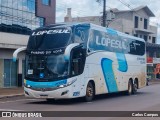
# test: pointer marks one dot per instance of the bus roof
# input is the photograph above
(96, 27)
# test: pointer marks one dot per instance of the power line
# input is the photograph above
(129, 6)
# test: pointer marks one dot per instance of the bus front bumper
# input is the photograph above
(62, 93)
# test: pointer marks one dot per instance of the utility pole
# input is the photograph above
(104, 13)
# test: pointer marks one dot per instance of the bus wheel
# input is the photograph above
(90, 92)
(130, 88)
(135, 87)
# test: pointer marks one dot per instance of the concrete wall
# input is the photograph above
(92, 19)
(124, 15)
(116, 24)
(8, 53)
(12, 41)
(9, 43)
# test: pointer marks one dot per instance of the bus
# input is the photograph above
(71, 60)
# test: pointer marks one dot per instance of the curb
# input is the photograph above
(153, 82)
(10, 96)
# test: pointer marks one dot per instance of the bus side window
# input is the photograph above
(77, 61)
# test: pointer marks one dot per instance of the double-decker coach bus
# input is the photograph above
(82, 60)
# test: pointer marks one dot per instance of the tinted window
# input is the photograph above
(103, 41)
(18, 16)
(81, 34)
(145, 23)
(135, 47)
(49, 39)
(136, 22)
(46, 67)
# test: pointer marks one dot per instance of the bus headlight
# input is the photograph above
(27, 86)
(68, 84)
(71, 82)
(61, 86)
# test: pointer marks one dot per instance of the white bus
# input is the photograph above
(82, 60)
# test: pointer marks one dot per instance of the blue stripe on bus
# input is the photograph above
(108, 71)
(46, 84)
(122, 63)
(109, 75)
(111, 31)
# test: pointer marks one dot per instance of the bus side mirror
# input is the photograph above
(68, 50)
(16, 53)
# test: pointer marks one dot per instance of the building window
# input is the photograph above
(136, 35)
(18, 16)
(127, 33)
(141, 19)
(140, 36)
(41, 21)
(149, 37)
(145, 23)
(136, 22)
(145, 37)
(154, 40)
(46, 2)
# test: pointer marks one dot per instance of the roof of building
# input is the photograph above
(148, 11)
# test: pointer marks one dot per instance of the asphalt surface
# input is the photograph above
(147, 99)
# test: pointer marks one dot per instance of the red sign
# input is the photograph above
(149, 60)
(158, 66)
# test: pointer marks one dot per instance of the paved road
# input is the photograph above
(147, 99)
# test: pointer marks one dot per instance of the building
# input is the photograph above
(17, 19)
(133, 22)
(153, 60)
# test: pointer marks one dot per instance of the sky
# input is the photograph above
(81, 8)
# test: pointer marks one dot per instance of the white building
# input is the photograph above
(9, 70)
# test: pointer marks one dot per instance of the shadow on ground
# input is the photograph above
(82, 100)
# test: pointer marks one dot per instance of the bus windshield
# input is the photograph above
(48, 39)
(46, 67)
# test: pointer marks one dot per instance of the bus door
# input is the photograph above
(78, 57)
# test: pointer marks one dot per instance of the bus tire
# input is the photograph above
(130, 88)
(90, 92)
(135, 87)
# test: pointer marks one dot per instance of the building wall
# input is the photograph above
(18, 16)
(93, 19)
(118, 24)
(124, 15)
(9, 42)
(155, 30)
(46, 11)
(18, 19)
(13, 41)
